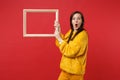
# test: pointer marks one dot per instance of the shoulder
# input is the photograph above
(83, 34)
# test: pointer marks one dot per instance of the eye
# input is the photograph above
(73, 18)
(78, 18)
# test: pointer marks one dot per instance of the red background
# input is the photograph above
(38, 58)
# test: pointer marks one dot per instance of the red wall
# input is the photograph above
(38, 58)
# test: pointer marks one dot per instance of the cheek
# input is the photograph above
(72, 21)
(80, 22)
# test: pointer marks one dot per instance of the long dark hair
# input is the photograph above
(81, 28)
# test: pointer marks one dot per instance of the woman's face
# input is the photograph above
(76, 21)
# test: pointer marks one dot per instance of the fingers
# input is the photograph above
(56, 24)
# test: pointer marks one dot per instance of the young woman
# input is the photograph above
(73, 46)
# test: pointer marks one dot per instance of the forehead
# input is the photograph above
(77, 15)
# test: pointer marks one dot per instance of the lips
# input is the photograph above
(76, 25)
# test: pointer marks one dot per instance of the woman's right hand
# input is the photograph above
(57, 26)
(57, 31)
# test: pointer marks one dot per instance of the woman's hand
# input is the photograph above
(57, 31)
(57, 26)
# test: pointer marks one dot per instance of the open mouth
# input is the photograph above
(76, 25)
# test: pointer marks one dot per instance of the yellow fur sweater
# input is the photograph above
(74, 53)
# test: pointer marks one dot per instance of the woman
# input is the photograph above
(73, 46)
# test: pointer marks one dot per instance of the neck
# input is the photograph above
(75, 30)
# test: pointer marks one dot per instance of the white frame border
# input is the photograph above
(25, 11)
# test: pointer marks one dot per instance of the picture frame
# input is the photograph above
(25, 11)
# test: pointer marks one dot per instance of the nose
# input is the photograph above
(76, 21)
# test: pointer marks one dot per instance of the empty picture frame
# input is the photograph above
(25, 11)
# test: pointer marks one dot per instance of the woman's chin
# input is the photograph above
(75, 28)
